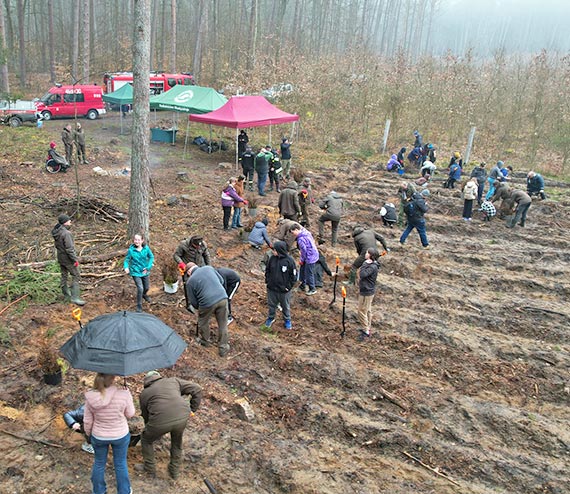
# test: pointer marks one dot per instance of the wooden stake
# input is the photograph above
(27, 438)
(431, 469)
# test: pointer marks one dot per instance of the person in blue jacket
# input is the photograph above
(74, 420)
(454, 175)
(259, 235)
(535, 185)
(138, 264)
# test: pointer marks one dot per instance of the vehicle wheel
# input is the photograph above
(92, 114)
(52, 166)
(46, 115)
(15, 122)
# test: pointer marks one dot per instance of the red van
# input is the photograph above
(69, 101)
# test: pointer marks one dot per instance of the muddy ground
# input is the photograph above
(467, 369)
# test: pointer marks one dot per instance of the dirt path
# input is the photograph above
(467, 369)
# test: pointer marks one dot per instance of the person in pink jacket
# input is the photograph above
(107, 409)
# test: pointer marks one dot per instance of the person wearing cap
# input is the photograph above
(68, 140)
(431, 153)
(79, 139)
(67, 259)
(206, 293)
(494, 178)
(193, 249)
(288, 203)
(333, 209)
(535, 185)
(58, 158)
(480, 173)
(286, 157)
(166, 410)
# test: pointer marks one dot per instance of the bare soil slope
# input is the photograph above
(467, 369)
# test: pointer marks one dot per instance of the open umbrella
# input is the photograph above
(123, 344)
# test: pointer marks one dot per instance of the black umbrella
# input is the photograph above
(123, 344)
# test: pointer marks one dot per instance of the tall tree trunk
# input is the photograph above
(173, 36)
(252, 38)
(163, 37)
(202, 26)
(4, 79)
(21, 42)
(75, 42)
(140, 174)
(153, 35)
(86, 39)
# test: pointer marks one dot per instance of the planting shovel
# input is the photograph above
(334, 284)
(76, 313)
(343, 293)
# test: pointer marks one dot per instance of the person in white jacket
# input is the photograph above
(469, 195)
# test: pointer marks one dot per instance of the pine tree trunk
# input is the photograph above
(4, 79)
(75, 43)
(86, 38)
(140, 174)
(173, 36)
(202, 25)
(21, 42)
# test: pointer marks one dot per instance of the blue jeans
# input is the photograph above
(261, 180)
(420, 226)
(101, 448)
(236, 218)
(307, 275)
(142, 288)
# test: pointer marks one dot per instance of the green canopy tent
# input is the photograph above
(122, 96)
(188, 99)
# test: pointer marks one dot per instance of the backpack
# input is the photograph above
(417, 207)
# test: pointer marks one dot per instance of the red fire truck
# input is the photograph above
(159, 81)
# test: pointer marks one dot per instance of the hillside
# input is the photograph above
(467, 369)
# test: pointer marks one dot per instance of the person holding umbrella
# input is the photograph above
(107, 409)
(138, 264)
(164, 411)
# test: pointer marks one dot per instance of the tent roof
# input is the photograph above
(122, 96)
(188, 99)
(241, 112)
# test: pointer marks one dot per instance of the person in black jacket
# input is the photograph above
(231, 283)
(247, 159)
(74, 420)
(321, 267)
(367, 283)
(243, 139)
(280, 277)
(480, 174)
(364, 240)
(415, 209)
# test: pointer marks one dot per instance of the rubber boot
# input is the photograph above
(75, 295)
(66, 293)
(351, 278)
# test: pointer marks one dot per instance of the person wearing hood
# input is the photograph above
(286, 157)
(107, 409)
(67, 259)
(258, 235)
(165, 410)
(401, 156)
(68, 140)
(494, 178)
(262, 168)
(243, 139)
(393, 164)
(418, 142)
(389, 214)
(206, 294)
(333, 207)
(480, 173)
(280, 277)
(364, 239)
(309, 255)
(415, 209)
(289, 206)
(79, 139)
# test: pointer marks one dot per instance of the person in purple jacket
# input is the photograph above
(229, 198)
(309, 257)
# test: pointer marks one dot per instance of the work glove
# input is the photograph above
(301, 263)
(181, 266)
(76, 263)
(127, 270)
(245, 202)
(76, 426)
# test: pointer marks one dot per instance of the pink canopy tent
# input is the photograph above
(241, 112)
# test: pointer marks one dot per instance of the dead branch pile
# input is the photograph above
(92, 206)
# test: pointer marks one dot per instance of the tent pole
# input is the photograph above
(270, 142)
(210, 147)
(186, 139)
(237, 156)
(121, 117)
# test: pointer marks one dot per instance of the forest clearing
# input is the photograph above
(464, 385)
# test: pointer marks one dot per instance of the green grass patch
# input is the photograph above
(5, 339)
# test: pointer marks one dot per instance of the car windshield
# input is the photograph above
(49, 98)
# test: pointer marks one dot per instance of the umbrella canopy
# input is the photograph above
(122, 96)
(123, 344)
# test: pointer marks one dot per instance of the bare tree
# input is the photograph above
(75, 42)
(86, 37)
(202, 23)
(22, 42)
(51, 42)
(173, 36)
(4, 80)
(140, 174)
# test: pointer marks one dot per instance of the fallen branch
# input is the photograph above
(431, 469)
(546, 311)
(394, 399)
(12, 303)
(27, 438)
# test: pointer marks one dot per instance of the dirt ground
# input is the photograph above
(463, 387)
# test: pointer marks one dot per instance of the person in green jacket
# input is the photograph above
(138, 264)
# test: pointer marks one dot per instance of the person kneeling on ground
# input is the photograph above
(258, 235)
